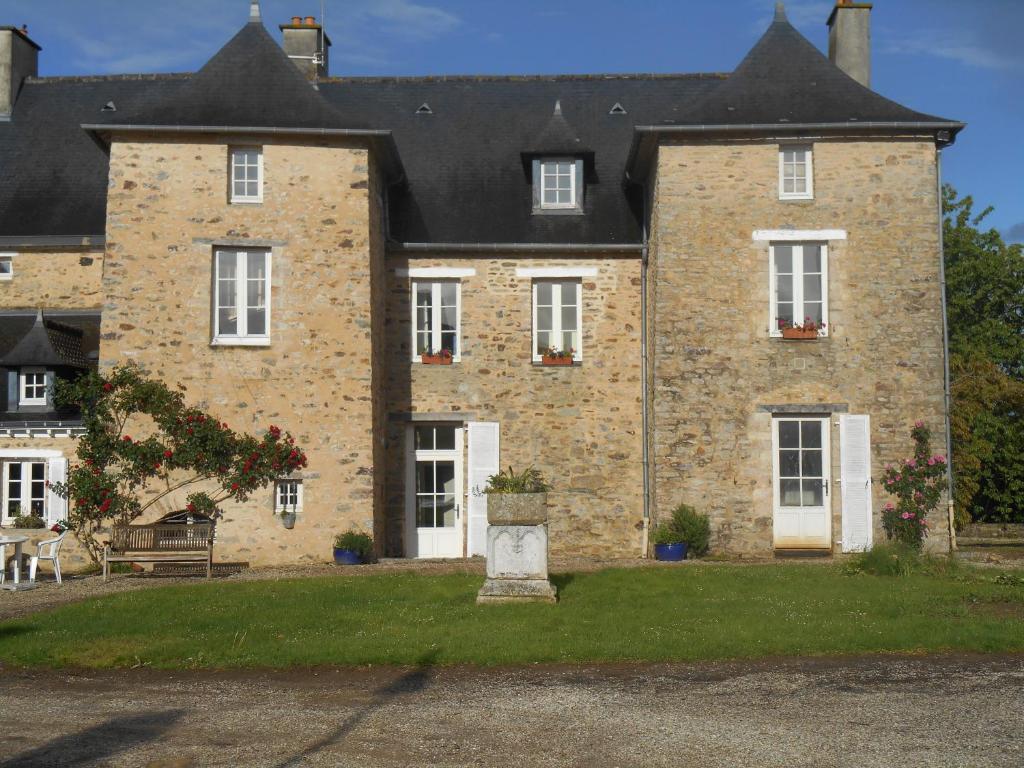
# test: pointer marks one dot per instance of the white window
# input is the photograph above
(799, 280)
(288, 495)
(241, 313)
(247, 175)
(437, 318)
(32, 386)
(796, 173)
(558, 184)
(557, 317)
(6, 266)
(24, 489)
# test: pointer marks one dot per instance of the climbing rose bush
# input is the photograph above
(917, 484)
(143, 443)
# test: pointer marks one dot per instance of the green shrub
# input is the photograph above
(693, 528)
(665, 534)
(902, 559)
(360, 543)
(530, 480)
(29, 521)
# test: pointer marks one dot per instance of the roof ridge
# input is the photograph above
(108, 78)
(527, 78)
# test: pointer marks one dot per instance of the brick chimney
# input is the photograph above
(19, 58)
(849, 39)
(307, 45)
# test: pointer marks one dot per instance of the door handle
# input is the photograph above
(825, 481)
(457, 510)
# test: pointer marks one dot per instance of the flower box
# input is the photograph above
(799, 333)
(440, 359)
(553, 360)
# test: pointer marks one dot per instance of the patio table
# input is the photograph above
(17, 583)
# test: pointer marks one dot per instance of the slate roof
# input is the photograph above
(464, 179)
(35, 339)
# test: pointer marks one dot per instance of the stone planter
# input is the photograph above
(517, 550)
(288, 520)
(436, 359)
(799, 333)
(550, 360)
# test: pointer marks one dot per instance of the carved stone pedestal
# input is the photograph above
(517, 550)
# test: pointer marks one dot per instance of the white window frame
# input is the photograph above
(8, 259)
(242, 337)
(23, 385)
(798, 287)
(435, 318)
(808, 150)
(247, 199)
(556, 316)
(540, 168)
(279, 505)
(25, 502)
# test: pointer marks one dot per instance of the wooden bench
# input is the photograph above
(160, 543)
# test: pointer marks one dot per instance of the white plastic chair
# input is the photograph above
(54, 545)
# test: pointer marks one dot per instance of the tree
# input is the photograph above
(118, 477)
(985, 300)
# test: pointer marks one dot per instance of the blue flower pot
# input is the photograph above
(673, 553)
(346, 557)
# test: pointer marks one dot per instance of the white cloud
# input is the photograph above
(421, 22)
(959, 46)
(1015, 234)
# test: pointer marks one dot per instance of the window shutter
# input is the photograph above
(56, 506)
(12, 390)
(855, 474)
(51, 381)
(483, 462)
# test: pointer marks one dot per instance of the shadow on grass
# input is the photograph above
(413, 681)
(13, 630)
(562, 581)
(94, 746)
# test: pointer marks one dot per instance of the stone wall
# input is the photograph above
(54, 280)
(580, 425)
(714, 362)
(167, 210)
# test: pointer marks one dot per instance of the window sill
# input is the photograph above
(6, 276)
(246, 202)
(574, 211)
(796, 199)
(779, 337)
(540, 364)
(241, 342)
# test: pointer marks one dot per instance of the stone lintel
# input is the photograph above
(804, 408)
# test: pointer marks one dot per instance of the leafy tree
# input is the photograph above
(985, 298)
(118, 476)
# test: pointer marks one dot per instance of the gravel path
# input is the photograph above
(876, 711)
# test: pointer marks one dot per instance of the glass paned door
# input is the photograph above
(434, 492)
(801, 461)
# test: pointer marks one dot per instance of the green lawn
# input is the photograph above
(690, 613)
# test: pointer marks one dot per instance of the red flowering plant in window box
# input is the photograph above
(917, 485)
(553, 356)
(808, 329)
(441, 357)
(177, 447)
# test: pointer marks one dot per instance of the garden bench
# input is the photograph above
(160, 543)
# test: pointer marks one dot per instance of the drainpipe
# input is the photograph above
(644, 378)
(945, 356)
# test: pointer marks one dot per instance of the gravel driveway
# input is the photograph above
(946, 711)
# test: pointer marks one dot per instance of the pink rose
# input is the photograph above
(905, 516)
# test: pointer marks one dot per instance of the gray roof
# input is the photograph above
(46, 341)
(462, 163)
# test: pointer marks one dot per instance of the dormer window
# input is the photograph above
(796, 173)
(32, 386)
(557, 184)
(246, 175)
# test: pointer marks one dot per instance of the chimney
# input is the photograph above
(19, 58)
(849, 39)
(307, 44)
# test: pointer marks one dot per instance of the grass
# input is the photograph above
(649, 614)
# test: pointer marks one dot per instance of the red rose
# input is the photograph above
(107, 386)
(168, 454)
(234, 486)
(126, 439)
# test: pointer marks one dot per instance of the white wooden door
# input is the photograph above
(855, 479)
(484, 461)
(801, 459)
(434, 495)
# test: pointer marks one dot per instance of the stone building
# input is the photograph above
(381, 265)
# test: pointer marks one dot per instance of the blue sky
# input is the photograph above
(955, 58)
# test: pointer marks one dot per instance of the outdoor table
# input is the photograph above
(17, 583)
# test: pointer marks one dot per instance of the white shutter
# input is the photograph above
(484, 461)
(56, 506)
(855, 474)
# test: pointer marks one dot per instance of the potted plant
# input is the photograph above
(441, 357)
(29, 521)
(517, 498)
(668, 545)
(808, 329)
(553, 356)
(288, 517)
(352, 548)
